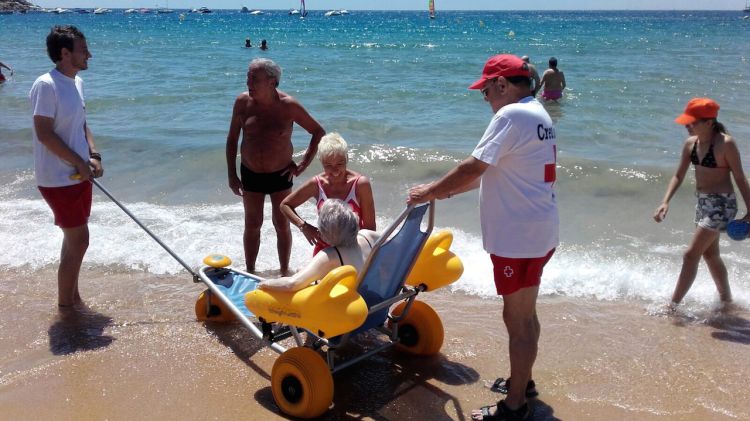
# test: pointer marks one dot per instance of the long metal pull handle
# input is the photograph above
(140, 224)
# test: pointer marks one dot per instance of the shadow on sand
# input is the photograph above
(365, 389)
(240, 341)
(542, 411)
(732, 328)
(368, 388)
(79, 330)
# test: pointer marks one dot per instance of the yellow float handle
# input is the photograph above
(344, 275)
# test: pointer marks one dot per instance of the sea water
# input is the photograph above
(159, 95)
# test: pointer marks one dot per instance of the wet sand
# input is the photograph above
(139, 353)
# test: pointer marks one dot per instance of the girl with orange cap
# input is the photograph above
(714, 154)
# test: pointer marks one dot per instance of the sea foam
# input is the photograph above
(600, 270)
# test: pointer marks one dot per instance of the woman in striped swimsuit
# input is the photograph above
(335, 182)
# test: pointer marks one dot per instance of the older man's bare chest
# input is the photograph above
(267, 124)
(266, 138)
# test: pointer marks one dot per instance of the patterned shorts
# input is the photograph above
(715, 210)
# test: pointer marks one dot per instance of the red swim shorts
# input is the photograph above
(71, 205)
(512, 274)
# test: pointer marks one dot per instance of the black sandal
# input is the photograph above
(502, 385)
(503, 413)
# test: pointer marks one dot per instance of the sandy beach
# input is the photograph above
(139, 353)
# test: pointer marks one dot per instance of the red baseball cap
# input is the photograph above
(506, 65)
(698, 109)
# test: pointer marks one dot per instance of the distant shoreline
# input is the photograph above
(17, 5)
(22, 5)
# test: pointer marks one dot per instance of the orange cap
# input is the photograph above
(698, 109)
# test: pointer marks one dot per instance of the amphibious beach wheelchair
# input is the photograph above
(324, 316)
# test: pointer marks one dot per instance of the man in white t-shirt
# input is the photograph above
(514, 167)
(63, 147)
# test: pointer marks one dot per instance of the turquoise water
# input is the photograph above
(160, 92)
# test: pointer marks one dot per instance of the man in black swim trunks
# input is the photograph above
(265, 116)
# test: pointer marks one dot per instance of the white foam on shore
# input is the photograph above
(601, 270)
(608, 272)
(192, 232)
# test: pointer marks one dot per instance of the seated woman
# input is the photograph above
(339, 227)
(335, 182)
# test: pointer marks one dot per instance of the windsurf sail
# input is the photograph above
(302, 9)
(431, 6)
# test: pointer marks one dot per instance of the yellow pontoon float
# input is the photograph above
(324, 316)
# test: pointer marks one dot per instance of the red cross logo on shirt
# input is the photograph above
(508, 271)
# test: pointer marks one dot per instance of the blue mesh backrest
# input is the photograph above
(390, 266)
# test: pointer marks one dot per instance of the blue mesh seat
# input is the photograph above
(389, 266)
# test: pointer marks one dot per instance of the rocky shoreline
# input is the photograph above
(17, 5)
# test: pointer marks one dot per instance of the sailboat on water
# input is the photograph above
(164, 9)
(431, 7)
(301, 11)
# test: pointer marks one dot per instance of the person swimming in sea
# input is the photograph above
(263, 45)
(248, 44)
(2, 77)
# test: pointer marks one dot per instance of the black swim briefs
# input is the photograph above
(267, 183)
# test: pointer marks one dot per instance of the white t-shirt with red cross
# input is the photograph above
(59, 97)
(517, 204)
